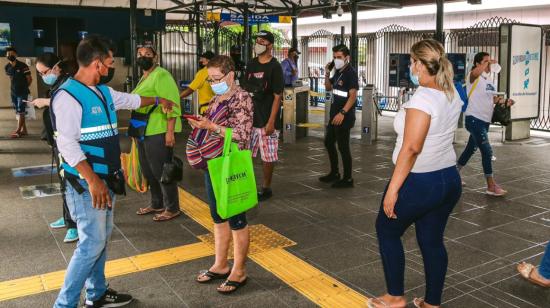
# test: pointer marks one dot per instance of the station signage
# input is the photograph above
(252, 18)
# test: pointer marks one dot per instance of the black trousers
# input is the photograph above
(341, 136)
(69, 223)
(153, 153)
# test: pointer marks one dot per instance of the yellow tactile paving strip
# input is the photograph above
(52, 281)
(266, 249)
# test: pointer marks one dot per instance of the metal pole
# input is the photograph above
(294, 27)
(342, 33)
(353, 43)
(133, 40)
(217, 38)
(246, 55)
(439, 22)
(198, 30)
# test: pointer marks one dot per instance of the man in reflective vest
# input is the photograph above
(84, 118)
(344, 85)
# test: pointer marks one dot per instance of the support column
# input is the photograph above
(246, 28)
(439, 35)
(198, 31)
(294, 27)
(217, 38)
(353, 42)
(342, 33)
(133, 41)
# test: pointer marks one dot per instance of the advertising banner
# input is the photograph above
(524, 70)
(252, 18)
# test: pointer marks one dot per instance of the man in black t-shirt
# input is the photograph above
(264, 81)
(20, 77)
(240, 66)
(344, 86)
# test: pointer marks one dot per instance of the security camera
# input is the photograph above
(340, 10)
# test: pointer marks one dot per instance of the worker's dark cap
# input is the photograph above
(292, 49)
(266, 35)
(208, 55)
(235, 49)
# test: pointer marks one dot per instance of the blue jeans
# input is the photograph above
(87, 266)
(236, 222)
(479, 138)
(544, 269)
(427, 200)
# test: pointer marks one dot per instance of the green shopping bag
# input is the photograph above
(233, 180)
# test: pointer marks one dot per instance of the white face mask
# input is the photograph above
(259, 49)
(495, 68)
(339, 63)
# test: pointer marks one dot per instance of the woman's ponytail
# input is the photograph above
(444, 77)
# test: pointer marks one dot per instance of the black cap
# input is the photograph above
(235, 49)
(208, 55)
(292, 49)
(147, 45)
(266, 35)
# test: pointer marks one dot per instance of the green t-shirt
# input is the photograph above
(160, 83)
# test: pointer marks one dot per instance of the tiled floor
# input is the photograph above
(334, 229)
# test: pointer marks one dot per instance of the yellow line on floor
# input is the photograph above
(266, 250)
(303, 277)
(12, 289)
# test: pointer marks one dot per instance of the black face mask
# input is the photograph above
(109, 77)
(145, 63)
(12, 58)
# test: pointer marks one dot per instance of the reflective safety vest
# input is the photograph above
(98, 133)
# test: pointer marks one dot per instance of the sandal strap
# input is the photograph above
(526, 270)
(234, 284)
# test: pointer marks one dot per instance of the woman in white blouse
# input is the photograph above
(425, 185)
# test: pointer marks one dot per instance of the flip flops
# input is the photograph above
(376, 302)
(234, 284)
(164, 217)
(418, 302)
(148, 210)
(526, 269)
(211, 276)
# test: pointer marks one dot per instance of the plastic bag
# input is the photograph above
(132, 169)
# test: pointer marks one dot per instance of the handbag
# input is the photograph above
(502, 115)
(138, 123)
(233, 179)
(132, 169)
(172, 171)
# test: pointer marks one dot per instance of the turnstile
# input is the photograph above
(369, 116)
(295, 112)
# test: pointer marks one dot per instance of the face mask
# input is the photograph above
(339, 63)
(49, 79)
(413, 77)
(145, 63)
(495, 68)
(259, 49)
(220, 88)
(12, 58)
(109, 77)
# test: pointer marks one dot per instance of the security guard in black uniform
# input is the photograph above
(344, 85)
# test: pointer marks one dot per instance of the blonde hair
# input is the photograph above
(432, 54)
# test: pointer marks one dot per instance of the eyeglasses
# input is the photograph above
(214, 80)
(44, 73)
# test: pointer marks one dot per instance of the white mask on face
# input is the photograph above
(259, 49)
(339, 63)
(495, 68)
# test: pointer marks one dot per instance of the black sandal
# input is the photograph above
(235, 284)
(212, 276)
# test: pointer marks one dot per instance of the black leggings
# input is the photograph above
(69, 223)
(340, 135)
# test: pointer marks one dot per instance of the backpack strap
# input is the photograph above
(473, 87)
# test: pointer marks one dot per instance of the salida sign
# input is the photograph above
(252, 18)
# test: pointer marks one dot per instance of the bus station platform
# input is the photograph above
(311, 245)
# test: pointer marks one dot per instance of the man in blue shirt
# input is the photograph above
(290, 67)
(83, 112)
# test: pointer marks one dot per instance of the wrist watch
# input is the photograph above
(218, 130)
(343, 112)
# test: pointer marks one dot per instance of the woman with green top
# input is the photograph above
(156, 147)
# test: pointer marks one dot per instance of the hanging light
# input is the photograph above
(340, 10)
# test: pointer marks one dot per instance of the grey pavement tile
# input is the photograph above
(496, 243)
(470, 302)
(530, 231)
(369, 278)
(339, 256)
(357, 225)
(459, 228)
(484, 218)
(543, 218)
(155, 295)
(314, 236)
(42, 300)
(516, 209)
(540, 199)
(527, 292)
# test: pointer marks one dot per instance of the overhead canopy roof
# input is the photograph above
(305, 7)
